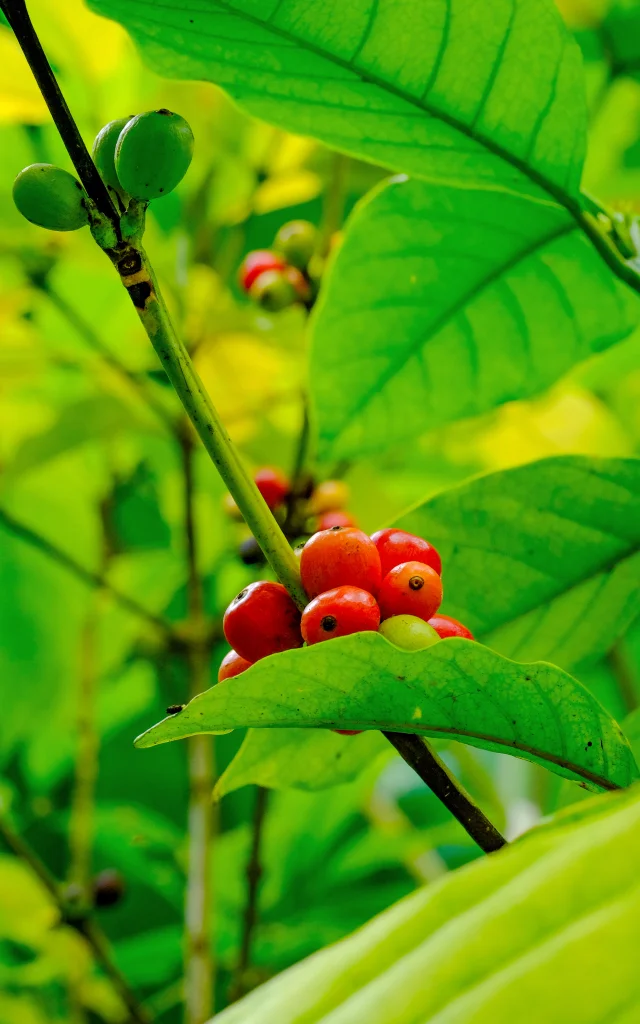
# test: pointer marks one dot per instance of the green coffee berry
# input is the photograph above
(273, 290)
(51, 198)
(104, 150)
(296, 241)
(409, 632)
(153, 153)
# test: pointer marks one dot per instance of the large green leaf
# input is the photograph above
(442, 89)
(456, 688)
(443, 303)
(541, 561)
(546, 930)
(308, 759)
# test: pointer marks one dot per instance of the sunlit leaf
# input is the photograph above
(541, 561)
(456, 688)
(443, 303)
(447, 98)
(544, 930)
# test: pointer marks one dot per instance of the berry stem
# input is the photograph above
(254, 872)
(432, 770)
(84, 924)
(18, 17)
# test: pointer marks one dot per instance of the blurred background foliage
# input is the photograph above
(88, 464)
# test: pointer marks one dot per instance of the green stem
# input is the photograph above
(254, 874)
(139, 279)
(199, 983)
(91, 338)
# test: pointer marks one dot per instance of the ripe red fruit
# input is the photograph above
(445, 626)
(340, 612)
(255, 263)
(411, 588)
(340, 557)
(335, 518)
(397, 546)
(272, 484)
(262, 620)
(232, 665)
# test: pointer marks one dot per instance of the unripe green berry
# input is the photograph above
(296, 241)
(409, 632)
(273, 291)
(50, 197)
(153, 153)
(104, 151)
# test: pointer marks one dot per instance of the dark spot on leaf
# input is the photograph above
(401, 679)
(528, 678)
(589, 744)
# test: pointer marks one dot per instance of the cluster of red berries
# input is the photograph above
(389, 582)
(279, 277)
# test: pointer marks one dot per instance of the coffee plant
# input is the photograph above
(339, 485)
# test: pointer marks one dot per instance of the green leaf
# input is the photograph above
(308, 759)
(545, 930)
(444, 92)
(456, 688)
(541, 561)
(443, 303)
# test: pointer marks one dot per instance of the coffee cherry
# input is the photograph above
(342, 556)
(51, 198)
(250, 552)
(329, 496)
(232, 665)
(409, 632)
(272, 484)
(153, 153)
(445, 626)
(339, 612)
(336, 518)
(411, 588)
(262, 620)
(108, 888)
(396, 546)
(104, 151)
(275, 290)
(256, 263)
(296, 241)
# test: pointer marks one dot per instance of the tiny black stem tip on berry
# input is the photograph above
(329, 623)
(416, 583)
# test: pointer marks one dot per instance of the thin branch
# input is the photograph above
(18, 17)
(91, 579)
(254, 874)
(199, 964)
(433, 771)
(83, 924)
(91, 338)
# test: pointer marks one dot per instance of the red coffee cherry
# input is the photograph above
(232, 665)
(255, 263)
(340, 612)
(262, 620)
(397, 546)
(335, 518)
(411, 588)
(340, 557)
(445, 626)
(272, 484)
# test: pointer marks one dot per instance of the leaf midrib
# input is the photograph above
(561, 195)
(446, 317)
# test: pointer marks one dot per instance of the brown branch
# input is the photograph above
(432, 770)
